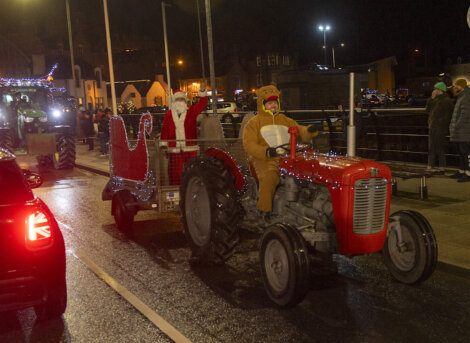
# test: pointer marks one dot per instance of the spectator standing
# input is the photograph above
(440, 113)
(460, 129)
(103, 131)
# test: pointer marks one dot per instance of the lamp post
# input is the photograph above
(110, 57)
(333, 54)
(324, 28)
(167, 61)
(72, 60)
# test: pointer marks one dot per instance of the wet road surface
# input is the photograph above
(360, 303)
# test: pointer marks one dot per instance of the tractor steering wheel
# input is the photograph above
(286, 147)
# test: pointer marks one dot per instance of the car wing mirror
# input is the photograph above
(34, 180)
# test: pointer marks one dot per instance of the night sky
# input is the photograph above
(370, 29)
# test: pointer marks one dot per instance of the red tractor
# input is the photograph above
(323, 204)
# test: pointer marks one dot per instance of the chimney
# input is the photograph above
(159, 78)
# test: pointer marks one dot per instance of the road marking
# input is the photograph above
(150, 314)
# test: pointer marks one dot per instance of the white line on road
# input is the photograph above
(150, 314)
(140, 306)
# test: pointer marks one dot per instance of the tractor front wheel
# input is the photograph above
(410, 250)
(210, 209)
(285, 265)
(6, 140)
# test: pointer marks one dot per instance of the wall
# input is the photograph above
(126, 95)
(156, 91)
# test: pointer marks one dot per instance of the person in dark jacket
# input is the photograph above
(460, 129)
(86, 121)
(440, 113)
(103, 131)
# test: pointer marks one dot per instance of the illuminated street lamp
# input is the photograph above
(180, 62)
(333, 54)
(324, 28)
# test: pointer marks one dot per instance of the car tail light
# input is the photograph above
(38, 230)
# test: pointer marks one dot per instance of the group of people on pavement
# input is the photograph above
(97, 122)
(446, 116)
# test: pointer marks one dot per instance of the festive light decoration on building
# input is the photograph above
(45, 81)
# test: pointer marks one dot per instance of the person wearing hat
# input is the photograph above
(440, 113)
(179, 132)
(261, 135)
(460, 129)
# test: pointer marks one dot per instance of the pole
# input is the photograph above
(333, 53)
(200, 41)
(324, 43)
(351, 127)
(167, 60)
(110, 57)
(210, 47)
(72, 60)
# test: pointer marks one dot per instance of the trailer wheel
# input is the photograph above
(122, 212)
(210, 209)
(415, 260)
(6, 140)
(64, 158)
(285, 265)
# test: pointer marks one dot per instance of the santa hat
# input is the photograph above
(178, 93)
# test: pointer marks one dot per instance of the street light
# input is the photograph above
(324, 28)
(333, 54)
(110, 57)
(165, 40)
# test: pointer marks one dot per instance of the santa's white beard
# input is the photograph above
(179, 107)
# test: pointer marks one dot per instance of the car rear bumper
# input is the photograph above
(21, 289)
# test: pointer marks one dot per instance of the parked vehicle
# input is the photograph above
(35, 117)
(32, 251)
(226, 111)
(325, 204)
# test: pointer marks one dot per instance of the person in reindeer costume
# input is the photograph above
(179, 128)
(262, 134)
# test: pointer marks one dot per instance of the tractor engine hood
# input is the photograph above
(331, 170)
(32, 113)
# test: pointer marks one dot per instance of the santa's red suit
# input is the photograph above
(179, 130)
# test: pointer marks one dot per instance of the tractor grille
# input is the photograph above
(370, 199)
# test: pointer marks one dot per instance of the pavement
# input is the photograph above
(447, 208)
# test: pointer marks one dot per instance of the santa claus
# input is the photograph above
(179, 132)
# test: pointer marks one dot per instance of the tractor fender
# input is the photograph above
(232, 165)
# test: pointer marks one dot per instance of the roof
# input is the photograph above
(142, 86)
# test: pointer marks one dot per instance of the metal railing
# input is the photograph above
(397, 134)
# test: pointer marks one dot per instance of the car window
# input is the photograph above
(13, 186)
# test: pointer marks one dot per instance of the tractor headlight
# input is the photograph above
(56, 113)
(42, 119)
(28, 119)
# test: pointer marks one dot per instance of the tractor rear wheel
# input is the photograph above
(64, 158)
(285, 265)
(415, 258)
(6, 140)
(210, 210)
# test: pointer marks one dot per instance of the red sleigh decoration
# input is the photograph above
(129, 163)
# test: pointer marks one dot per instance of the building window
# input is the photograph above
(132, 95)
(272, 60)
(285, 60)
(98, 78)
(80, 50)
(259, 61)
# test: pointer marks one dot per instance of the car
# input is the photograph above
(32, 251)
(153, 109)
(226, 111)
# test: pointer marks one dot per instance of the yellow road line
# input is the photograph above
(150, 314)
